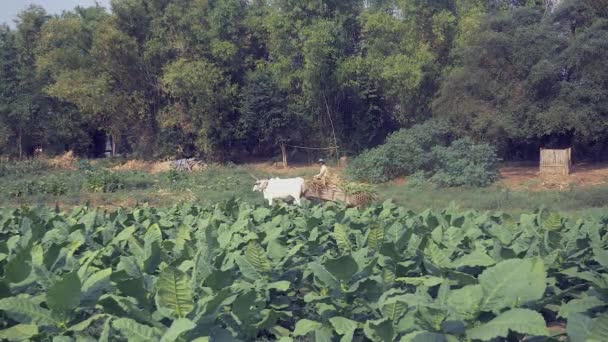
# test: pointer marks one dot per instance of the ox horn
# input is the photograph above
(254, 177)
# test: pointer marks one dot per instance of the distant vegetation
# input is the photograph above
(229, 78)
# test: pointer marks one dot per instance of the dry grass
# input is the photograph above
(159, 167)
(529, 178)
(65, 161)
(144, 166)
(133, 165)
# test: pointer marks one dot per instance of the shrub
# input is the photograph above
(373, 166)
(464, 163)
(175, 176)
(49, 185)
(422, 150)
(22, 167)
(103, 181)
(417, 180)
(404, 152)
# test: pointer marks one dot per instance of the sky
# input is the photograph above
(10, 8)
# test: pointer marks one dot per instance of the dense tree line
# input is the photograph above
(225, 78)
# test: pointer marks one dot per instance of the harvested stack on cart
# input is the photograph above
(354, 195)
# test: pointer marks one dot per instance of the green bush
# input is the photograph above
(464, 163)
(174, 176)
(104, 181)
(423, 150)
(417, 181)
(22, 167)
(52, 185)
(372, 166)
(404, 152)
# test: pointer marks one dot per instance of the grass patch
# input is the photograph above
(39, 186)
(495, 198)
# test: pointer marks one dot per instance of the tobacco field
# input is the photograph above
(234, 271)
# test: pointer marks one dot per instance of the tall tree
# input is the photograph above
(23, 104)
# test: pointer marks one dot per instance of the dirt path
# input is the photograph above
(529, 178)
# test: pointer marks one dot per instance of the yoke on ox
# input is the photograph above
(276, 188)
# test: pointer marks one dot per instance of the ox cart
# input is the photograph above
(316, 191)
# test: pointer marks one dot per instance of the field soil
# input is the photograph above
(529, 178)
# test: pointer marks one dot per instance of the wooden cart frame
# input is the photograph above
(334, 194)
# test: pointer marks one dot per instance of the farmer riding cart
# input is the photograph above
(326, 188)
(323, 174)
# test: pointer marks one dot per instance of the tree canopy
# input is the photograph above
(223, 78)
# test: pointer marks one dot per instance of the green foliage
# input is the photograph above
(328, 272)
(23, 167)
(531, 78)
(216, 78)
(174, 292)
(403, 153)
(421, 151)
(175, 176)
(417, 180)
(51, 185)
(104, 181)
(464, 163)
(351, 188)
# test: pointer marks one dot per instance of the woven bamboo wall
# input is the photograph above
(555, 162)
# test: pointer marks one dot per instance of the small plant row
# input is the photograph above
(98, 180)
(324, 273)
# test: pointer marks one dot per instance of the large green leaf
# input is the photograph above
(217, 280)
(578, 327)
(394, 308)
(599, 329)
(324, 275)
(375, 237)
(94, 286)
(18, 268)
(580, 305)
(341, 236)
(425, 336)
(254, 264)
(87, 322)
(136, 332)
(466, 301)
(522, 321)
(242, 306)
(512, 283)
(26, 311)
(426, 281)
(342, 268)
(438, 256)
(344, 327)
(305, 326)
(174, 292)
(476, 258)
(64, 295)
(19, 332)
(178, 328)
(379, 331)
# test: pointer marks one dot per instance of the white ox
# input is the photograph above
(276, 188)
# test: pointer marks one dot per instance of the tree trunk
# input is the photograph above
(284, 154)
(20, 142)
(113, 142)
